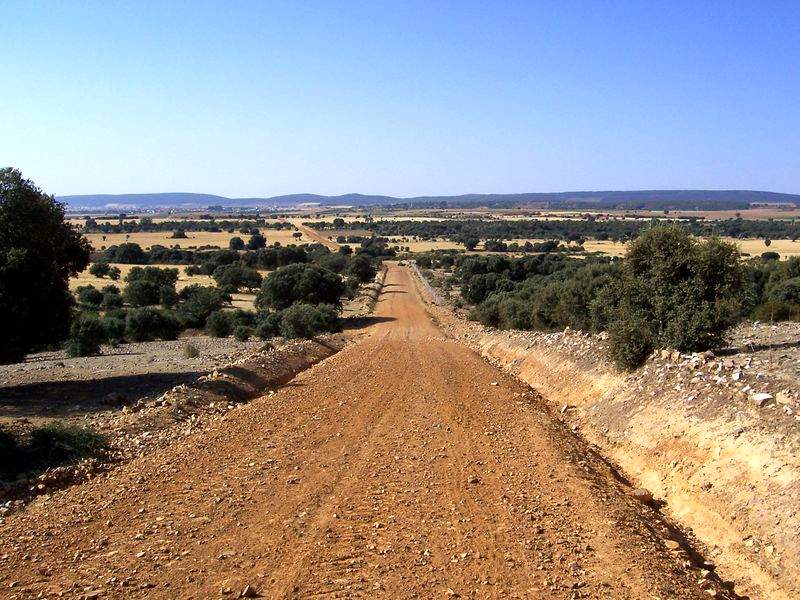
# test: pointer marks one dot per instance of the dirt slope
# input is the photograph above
(404, 466)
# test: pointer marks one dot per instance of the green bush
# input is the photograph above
(99, 269)
(60, 444)
(218, 324)
(86, 335)
(111, 301)
(630, 341)
(306, 320)
(269, 325)
(190, 351)
(308, 284)
(362, 269)
(777, 310)
(88, 295)
(236, 276)
(142, 293)
(242, 333)
(197, 302)
(114, 327)
(146, 324)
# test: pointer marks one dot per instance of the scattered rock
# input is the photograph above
(761, 399)
(644, 496)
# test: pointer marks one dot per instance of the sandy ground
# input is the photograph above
(404, 466)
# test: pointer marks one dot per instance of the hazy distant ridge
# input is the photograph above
(605, 199)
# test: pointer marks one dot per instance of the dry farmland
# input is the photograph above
(194, 239)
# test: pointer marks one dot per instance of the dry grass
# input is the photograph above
(193, 238)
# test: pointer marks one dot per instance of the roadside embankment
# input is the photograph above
(715, 439)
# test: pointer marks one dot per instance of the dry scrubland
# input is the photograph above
(240, 300)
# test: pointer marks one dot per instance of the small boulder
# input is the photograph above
(644, 496)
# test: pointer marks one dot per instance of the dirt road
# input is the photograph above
(403, 467)
(314, 235)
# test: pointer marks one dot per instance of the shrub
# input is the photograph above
(777, 310)
(306, 321)
(237, 276)
(111, 301)
(86, 335)
(190, 351)
(89, 295)
(309, 284)
(99, 269)
(146, 324)
(197, 302)
(242, 333)
(192, 270)
(114, 273)
(630, 341)
(114, 326)
(362, 268)
(256, 242)
(59, 444)
(167, 296)
(142, 293)
(218, 324)
(236, 243)
(269, 325)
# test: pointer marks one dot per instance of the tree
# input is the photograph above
(470, 243)
(362, 268)
(675, 292)
(114, 273)
(86, 335)
(236, 243)
(256, 242)
(197, 302)
(218, 324)
(39, 252)
(99, 269)
(305, 320)
(299, 283)
(237, 276)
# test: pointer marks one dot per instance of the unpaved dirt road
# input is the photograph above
(315, 235)
(403, 467)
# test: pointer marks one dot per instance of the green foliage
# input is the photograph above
(197, 302)
(671, 290)
(190, 351)
(306, 320)
(269, 325)
(142, 293)
(86, 335)
(362, 268)
(99, 269)
(89, 296)
(777, 310)
(236, 243)
(39, 252)
(146, 324)
(47, 446)
(256, 242)
(242, 333)
(114, 273)
(237, 276)
(114, 326)
(218, 324)
(111, 301)
(304, 283)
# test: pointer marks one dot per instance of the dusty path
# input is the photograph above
(402, 467)
(315, 235)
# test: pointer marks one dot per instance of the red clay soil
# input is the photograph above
(404, 466)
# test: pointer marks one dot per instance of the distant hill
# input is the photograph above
(629, 200)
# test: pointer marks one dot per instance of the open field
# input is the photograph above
(193, 238)
(403, 466)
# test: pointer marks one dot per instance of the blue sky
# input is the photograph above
(401, 98)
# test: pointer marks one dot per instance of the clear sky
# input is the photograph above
(401, 98)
